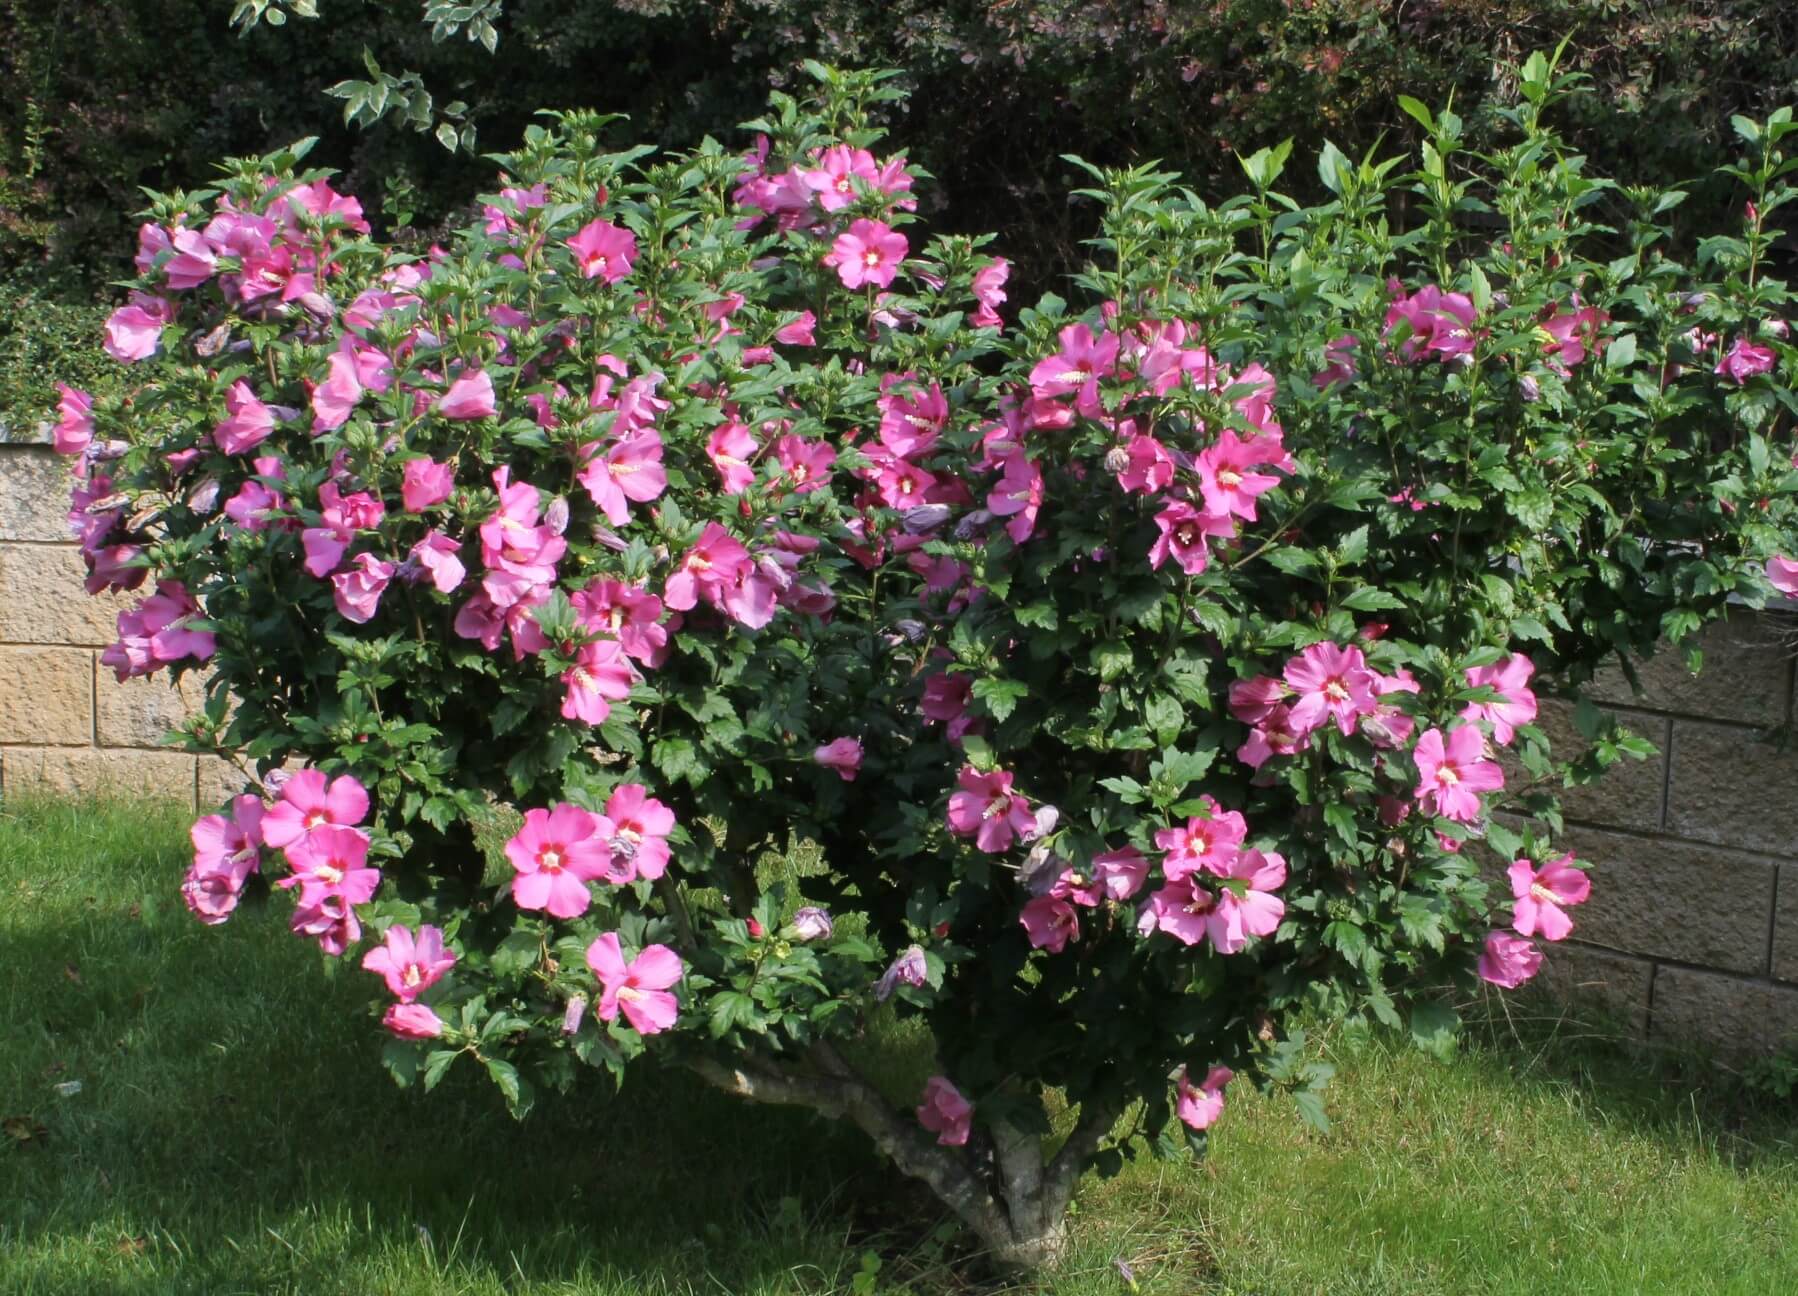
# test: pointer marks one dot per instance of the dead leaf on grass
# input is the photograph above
(24, 1131)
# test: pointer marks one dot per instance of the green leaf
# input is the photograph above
(1001, 696)
(1311, 1106)
(1434, 1027)
(1417, 112)
(1370, 598)
(518, 1095)
(437, 1064)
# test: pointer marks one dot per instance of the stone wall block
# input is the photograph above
(42, 600)
(138, 712)
(1599, 987)
(34, 494)
(1730, 786)
(1672, 900)
(1785, 925)
(1630, 793)
(1737, 1018)
(88, 771)
(46, 695)
(220, 780)
(1746, 675)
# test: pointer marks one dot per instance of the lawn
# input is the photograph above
(193, 1110)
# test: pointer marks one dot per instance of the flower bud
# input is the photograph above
(756, 930)
(973, 524)
(925, 518)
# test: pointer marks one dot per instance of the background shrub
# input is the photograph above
(97, 99)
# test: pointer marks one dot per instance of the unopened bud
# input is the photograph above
(925, 518)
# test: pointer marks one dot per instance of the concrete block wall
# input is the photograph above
(1691, 935)
(67, 725)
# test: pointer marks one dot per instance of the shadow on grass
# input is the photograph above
(234, 1127)
(1660, 1090)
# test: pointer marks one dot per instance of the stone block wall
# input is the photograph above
(67, 725)
(1691, 935)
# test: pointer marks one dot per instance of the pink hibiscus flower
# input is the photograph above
(730, 449)
(630, 470)
(987, 810)
(640, 828)
(1452, 774)
(639, 988)
(600, 676)
(1050, 922)
(336, 396)
(629, 614)
(1225, 479)
(1208, 843)
(75, 423)
(1516, 704)
(869, 252)
(1744, 360)
(1251, 911)
(248, 422)
(424, 482)
(945, 1113)
(556, 854)
(1331, 682)
(1120, 873)
(1199, 1106)
(1508, 960)
(331, 861)
(410, 964)
(308, 803)
(604, 251)
(1540, 894)
(412, 1021)
(1184, 531)
(357, 591)
(470, 397)
(843, 755)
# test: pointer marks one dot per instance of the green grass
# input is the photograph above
(233, 1132)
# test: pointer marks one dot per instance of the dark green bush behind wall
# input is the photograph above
(98, 97)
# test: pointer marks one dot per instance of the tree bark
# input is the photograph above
(1019, 1212)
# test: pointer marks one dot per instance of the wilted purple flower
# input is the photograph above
(812, 923)
(909, 967)
(555, 517)
(571, 1015)
(925, 518)
(1529, 388)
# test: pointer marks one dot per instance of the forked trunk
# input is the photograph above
(1018, 1208)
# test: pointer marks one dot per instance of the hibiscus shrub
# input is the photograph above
(1109, 685)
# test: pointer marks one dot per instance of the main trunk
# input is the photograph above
(1018, 1210)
